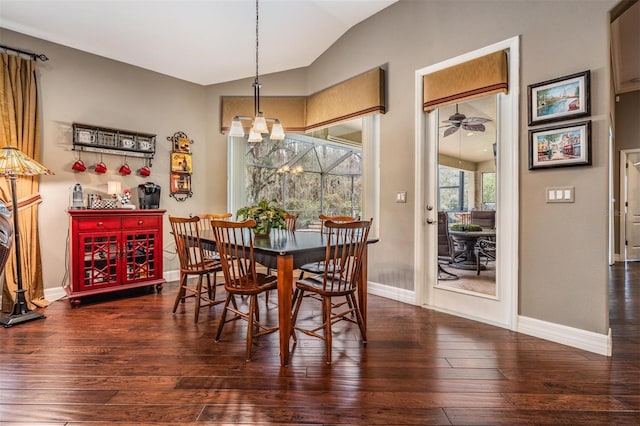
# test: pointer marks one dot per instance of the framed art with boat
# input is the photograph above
(559, 99)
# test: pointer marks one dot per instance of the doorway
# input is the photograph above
(630, 196)
(500, 308)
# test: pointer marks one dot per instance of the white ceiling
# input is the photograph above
(202, 41)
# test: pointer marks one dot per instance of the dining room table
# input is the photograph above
(469, 239)
(285, 251)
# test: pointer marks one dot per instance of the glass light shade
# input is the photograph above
(254, 136)
(14, 162)
(260, 124)
(277, 131)
(236, 129)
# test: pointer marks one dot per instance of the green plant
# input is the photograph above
(468, 228)
(267, 214)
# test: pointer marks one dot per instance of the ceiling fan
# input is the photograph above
(458, 120)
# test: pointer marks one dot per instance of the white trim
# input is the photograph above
(574, 337)
(623, 200)
(508, 196)
(53, 294)
(371, 171)
(171, 275)
(390, 292)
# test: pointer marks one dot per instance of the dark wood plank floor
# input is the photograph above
(130, 360)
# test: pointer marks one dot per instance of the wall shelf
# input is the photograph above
(106, 140)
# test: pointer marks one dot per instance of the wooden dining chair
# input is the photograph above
(234, 241)
(290, 221)
(186, 232)
(318, 267)
(344, 250)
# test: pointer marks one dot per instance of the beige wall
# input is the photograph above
(563, 261)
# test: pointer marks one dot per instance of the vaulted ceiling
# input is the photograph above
(202, 41)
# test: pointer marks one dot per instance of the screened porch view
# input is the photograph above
(309, 176)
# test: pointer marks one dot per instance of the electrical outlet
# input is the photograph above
(401, 197)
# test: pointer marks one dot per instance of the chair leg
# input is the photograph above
(253, 300)
(198, 296)
(363, 331)
(223, 316)
(296, 309)
(181, 292)
(326, 316)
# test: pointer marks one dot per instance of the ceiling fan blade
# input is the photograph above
(454, 122)
(475, 120)
(451, 130)
(473, 127)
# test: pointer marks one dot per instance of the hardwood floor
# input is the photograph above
(130, 360)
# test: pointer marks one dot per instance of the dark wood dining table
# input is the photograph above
(286, 251)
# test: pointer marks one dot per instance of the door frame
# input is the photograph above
(425, 245)
(624, 153)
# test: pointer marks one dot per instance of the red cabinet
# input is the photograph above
(112, 250)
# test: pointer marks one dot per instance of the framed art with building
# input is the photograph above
(560, 146)
(559, 99)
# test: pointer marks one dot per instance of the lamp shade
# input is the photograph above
(277, 131)
(14, 162)
(236, 129)
(260, 124)
(254, 136)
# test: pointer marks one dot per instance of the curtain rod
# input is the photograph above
(33, 56)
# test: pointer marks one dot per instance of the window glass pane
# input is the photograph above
(489, 188)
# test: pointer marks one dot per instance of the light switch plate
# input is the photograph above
(401, 197)
(564, 194)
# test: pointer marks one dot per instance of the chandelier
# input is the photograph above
(259, 122)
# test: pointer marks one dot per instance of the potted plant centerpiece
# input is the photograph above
(267, 214)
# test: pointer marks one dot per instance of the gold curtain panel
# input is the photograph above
(469, 80)
(359, 96)
(356, 97)
(291, 111)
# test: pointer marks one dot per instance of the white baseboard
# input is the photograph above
(393, 293)
(171, 275)
(570, 336)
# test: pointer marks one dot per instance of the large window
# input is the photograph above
(309, 176)
(489, 190)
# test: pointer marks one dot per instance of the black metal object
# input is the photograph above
(32, 55)
(21, 312)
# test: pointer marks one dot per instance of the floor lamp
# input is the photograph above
(14, 163)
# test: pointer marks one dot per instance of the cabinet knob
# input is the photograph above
(100, 224)
(139, 222)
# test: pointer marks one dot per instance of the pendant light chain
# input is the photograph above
(256, 84)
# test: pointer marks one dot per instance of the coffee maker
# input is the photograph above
(149, 195)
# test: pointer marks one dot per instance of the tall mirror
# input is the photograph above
(467, 202)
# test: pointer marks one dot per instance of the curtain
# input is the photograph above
(20, 127)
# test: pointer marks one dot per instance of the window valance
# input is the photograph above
(468, 80)
(359, 96)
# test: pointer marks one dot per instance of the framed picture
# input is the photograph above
(181, 162)
(559, 99)
(560, 146)
(181, 144)
(180, 183)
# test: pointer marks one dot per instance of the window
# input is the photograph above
(309, 176)
(453, 189)
(488, 190)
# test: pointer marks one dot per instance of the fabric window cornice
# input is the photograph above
(468, 80)
(359, 96)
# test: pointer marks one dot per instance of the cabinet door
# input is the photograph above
(140, 256)
(99, 265)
